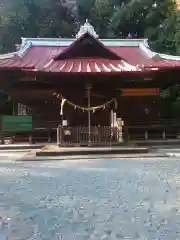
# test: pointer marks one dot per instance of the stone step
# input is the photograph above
(56, 151)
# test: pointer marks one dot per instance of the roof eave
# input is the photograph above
(146, 49)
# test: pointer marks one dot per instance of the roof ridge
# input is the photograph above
(67, 42)
(71, 39)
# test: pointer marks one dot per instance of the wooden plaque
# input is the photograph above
(140, 92)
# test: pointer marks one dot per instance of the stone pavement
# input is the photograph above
(11, 156)
(90, 199)
(175, 152)
(20, 146)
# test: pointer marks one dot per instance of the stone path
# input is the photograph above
(90, 199)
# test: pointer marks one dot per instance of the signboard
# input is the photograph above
(140, 92)
(10, 124)
(65, 123)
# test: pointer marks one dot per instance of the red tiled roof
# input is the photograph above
(132, 55)
(86, 66)
(41, 58)
(135, 56)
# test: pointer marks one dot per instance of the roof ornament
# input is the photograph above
(87, 27)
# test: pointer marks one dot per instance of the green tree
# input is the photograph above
(100, 16)
(84, 9)
(146, 19)
(111, 18)
(31, 18)
(177, 32)
(165, 38)
(170, 102)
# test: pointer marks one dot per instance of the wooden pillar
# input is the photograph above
(49, 137)
(164, 135)
(30, 139)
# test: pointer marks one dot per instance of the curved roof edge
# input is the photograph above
(146, 48)
(7, 55)
(20, 53)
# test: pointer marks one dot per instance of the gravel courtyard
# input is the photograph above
(90, 199)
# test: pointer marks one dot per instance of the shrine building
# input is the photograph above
(121, 76)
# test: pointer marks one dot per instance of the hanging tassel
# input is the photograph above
(62, 105)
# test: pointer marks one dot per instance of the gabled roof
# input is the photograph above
(87, 46)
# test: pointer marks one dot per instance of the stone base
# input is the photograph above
(90, 151)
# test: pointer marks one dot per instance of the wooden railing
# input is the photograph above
(162, 129)
(81, 135)
(155, 130)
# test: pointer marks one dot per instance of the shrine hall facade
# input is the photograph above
(43, 71)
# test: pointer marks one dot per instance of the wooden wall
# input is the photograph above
(139, 108)
(141, 104)
(133, 105)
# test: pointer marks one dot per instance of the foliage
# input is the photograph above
(170, 102)
(31, 18)
(177, 31)
(145, 19)
(156, 21)
(84, 9)
(159, 22)
(100, 16)
(165, 40)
